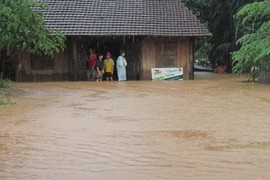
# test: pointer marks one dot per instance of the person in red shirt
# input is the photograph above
(91, 72)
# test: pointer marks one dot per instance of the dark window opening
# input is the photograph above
(110, 44)
(166, 54)
(41, 62)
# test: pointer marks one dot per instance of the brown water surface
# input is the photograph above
(216, 127)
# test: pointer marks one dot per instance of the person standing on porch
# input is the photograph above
(92, 58)
(121, 64)
(99, 68)
(109, 67)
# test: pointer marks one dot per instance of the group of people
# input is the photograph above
(99, 67)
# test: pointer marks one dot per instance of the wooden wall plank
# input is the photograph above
(148, 60)
(147, 51)
(60, 71)
(183, 55)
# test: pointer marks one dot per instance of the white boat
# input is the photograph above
(200, 67)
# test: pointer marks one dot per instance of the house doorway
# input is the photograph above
(113, 45)
(102, 47)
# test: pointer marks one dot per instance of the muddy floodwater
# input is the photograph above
(215, 127)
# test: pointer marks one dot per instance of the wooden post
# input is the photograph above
(144, 58)
(75, 58)
(191, 58)
(18, 67)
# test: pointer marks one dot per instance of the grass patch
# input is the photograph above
(5, 91)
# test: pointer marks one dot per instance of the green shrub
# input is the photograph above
(2, 81)
(5, 90)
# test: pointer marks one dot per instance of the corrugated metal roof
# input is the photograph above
(123, 17)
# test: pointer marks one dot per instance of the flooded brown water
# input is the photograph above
(216, 127)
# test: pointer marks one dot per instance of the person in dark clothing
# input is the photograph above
(99, 68)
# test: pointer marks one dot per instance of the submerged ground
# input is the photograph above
(216, 127)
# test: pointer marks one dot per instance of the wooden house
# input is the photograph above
(154, 33)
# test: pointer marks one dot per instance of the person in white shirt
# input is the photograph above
(121, 65)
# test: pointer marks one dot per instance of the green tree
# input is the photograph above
(218, 16)
(253, 25)
(22, 27)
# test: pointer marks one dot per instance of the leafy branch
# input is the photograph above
(23, 27)
(254, 42)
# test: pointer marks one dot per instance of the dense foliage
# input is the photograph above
(253, 24)
(22, 27)
(218, 16)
